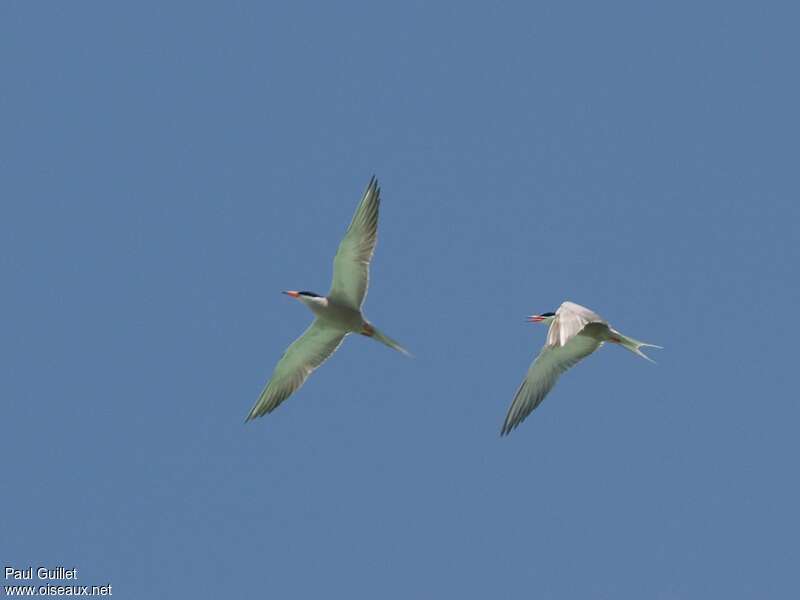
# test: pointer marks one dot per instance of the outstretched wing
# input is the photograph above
(351, 264)
(570, 319)
(543, 375)
(305, 354)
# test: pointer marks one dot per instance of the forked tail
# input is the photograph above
(373, 332)
(633, 345)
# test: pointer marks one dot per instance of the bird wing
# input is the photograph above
(305, 354)
(351, 264)
(570, 319)
(542, 376)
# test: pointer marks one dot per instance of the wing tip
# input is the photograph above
(253, 415)
(405, 352)
(509, 425)
(373, 184)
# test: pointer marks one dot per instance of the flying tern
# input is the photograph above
(575, 332)
(337, 314)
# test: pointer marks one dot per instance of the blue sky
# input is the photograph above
(167, 169)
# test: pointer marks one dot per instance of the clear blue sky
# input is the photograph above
(167, 169)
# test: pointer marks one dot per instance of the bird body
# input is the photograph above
(575, 333)
(336, 315)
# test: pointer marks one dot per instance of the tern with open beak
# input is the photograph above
(575, 332)
(337, 314)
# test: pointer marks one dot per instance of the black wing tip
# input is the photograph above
(507, 429)
(257, 412)
(373, 183)
(373, 190)
(257, 415)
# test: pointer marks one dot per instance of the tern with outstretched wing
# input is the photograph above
(575, 332)
(337, 314)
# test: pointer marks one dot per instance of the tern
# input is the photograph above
(575, 332)
(337, 314)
